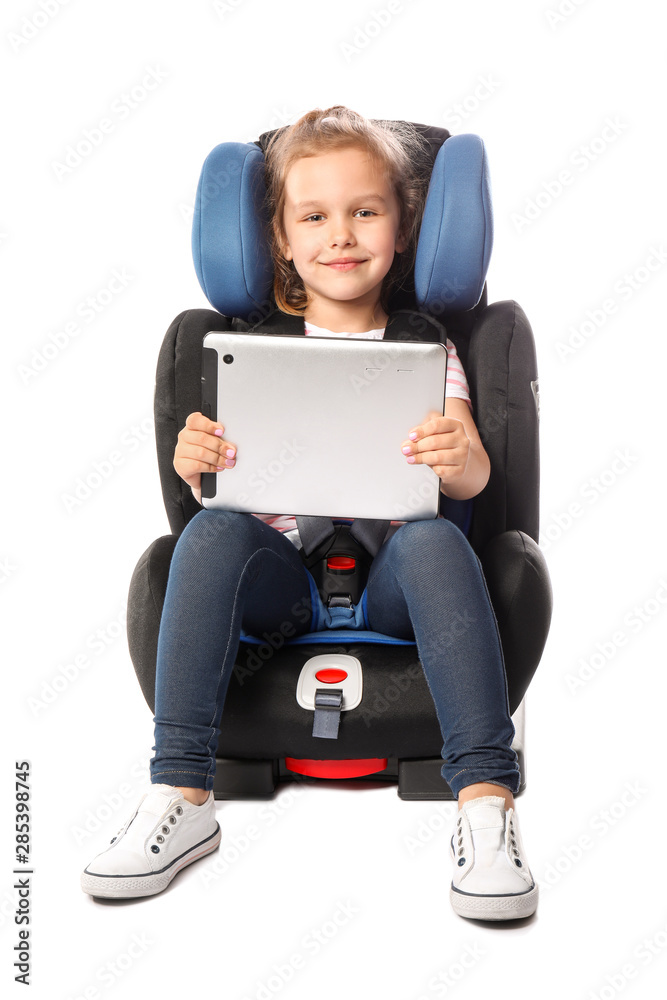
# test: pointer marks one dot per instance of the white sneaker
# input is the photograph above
(164, 834)
(492, 880)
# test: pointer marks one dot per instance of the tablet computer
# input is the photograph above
(318, 424)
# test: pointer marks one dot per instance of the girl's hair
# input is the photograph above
(396, 146)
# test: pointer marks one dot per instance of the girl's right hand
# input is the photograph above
(201, 448)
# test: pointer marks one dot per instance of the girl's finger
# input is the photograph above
(198, 422)
(204, 448)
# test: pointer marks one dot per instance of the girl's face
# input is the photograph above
(341, 218)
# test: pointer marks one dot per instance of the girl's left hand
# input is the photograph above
(442, 443)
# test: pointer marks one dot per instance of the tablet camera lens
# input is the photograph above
(228, 358)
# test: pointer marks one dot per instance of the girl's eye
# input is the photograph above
(364, 212)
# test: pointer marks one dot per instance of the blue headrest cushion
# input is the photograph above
(456, 235)
(230, 243)
(230, 232)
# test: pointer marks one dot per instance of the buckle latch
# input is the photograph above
(339, 601)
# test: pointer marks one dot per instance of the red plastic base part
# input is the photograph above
(354, 768)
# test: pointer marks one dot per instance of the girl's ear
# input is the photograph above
(401, 242)
(279, 239)
(284, 248)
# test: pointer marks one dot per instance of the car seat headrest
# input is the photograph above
(456, 234)
(230, 233)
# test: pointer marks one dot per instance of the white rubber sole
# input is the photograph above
(129, 886)
(512, 907)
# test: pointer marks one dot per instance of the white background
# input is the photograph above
(542, 90)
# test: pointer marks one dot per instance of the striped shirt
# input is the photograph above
(456, 386)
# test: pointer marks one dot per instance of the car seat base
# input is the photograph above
(416, 779)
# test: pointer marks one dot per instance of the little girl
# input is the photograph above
(346, 207)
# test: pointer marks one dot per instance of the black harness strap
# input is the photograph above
(313, 531)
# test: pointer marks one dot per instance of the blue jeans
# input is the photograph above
(231, 571)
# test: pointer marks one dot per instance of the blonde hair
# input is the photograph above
(396, 146)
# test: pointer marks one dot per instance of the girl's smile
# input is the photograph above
(344, 264)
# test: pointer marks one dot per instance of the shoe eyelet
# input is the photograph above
(460, 841)
(462, 861)
(112, 840)
(172, 820)
(518, 863)
(460, 850)
(160, 838)
(155, 850)
(165, 829)
(179, 811)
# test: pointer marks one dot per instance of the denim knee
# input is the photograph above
(209, 529)
(422, 540)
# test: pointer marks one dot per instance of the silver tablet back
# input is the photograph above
(318, 424)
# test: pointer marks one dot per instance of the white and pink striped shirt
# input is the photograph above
(456, 386)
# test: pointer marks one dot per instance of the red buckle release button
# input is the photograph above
(331, 675)
(341, 564)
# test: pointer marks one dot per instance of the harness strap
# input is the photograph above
(313, 531)
(328, 706)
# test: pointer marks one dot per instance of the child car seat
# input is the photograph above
(288, 714)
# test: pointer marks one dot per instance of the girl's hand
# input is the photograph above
(442, 443)
(201, 448)
(452, 447)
